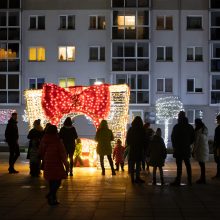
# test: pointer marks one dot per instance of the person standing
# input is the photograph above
(35, 135)
(78, 152)
(104, 136)
(69, 135)
(118, 155)
(11, 137)
(182, 138)
(150, 133)
(136, 140)
(216, 147)
(200, 149)
(158, 153)
(54, 157)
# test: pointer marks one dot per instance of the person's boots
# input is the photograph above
(154, 180)
(103, 171)
(71, 172)
(117, 167)
(122, 167)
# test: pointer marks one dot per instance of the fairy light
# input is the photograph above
(166, 109)
(53, 104)
(5, 115)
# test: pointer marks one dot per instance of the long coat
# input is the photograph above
(68, 135)
(200, 146)
(11, 131)
(104, 136)
(137, 141)
(216, 145)
(182, 138)
(157, 151)
(53, 154)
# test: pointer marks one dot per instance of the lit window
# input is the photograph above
(9, 50)
(97, 22)
(37, 54)
(67, 22)
(66, 82)
(126, 22)
(96, 53)
(66, 53)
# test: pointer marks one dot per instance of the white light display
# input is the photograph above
(5, 115)
(168, 108)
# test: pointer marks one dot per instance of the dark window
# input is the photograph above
(14, 33)
(190, 85)
(93, 53)
(130, 3)
(117, 3)
(3, 4)
(3, 97)
(2, 81)
(13, 81)
(102, 53)
(143, 3)
(143, 97)
(41, 22)
(14, 3)
(40, 83)
(14, 19)
(3, 34)
(216, 82)
(215, 18)
(194, 22)
(32, 83)
(2, 18)
(33, 22)
(71, 22)
(13, 96)
(215, 3)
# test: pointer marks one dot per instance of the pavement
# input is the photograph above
(90, 196)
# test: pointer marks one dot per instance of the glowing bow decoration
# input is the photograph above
(93, 101)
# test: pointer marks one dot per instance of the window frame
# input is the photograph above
(11, 90)
(66, 81)
(36, 82)
(194, 114)
(66, 60)
(194, 54)
(164, 23)
(97, 22)
(164, 59)
(164, 81)
(37, 22)
(193, 16)
(98, 55)
(67, 22)
(136, 90)
(37, 48)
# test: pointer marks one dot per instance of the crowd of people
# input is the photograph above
(56, 153)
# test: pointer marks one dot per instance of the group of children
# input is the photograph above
(155, 154)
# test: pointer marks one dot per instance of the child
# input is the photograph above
(118, 155)
(158, 153)
(78, 152)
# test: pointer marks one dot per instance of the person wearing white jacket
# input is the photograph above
(200, 150)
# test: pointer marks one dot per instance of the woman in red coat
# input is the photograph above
(53, 154)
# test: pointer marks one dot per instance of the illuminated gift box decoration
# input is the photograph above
(53, 104)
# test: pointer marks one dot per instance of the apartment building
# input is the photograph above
(159, 48)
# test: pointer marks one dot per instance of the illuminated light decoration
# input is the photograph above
(53, 104)
(168, 108)
(24, 116)
(5, 115)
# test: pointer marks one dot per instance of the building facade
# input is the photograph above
(159, 48)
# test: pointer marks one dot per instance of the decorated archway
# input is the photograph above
(53, 104)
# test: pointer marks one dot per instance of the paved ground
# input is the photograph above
(88, 195)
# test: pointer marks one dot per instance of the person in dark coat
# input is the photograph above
(182, 138)
(216, 147)
(158, 153)
(150, 133)
(35, 135)
(104, 136)
(200, 150)
(136, 140)
(54, 157)
(11, 137)
(69, 135)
